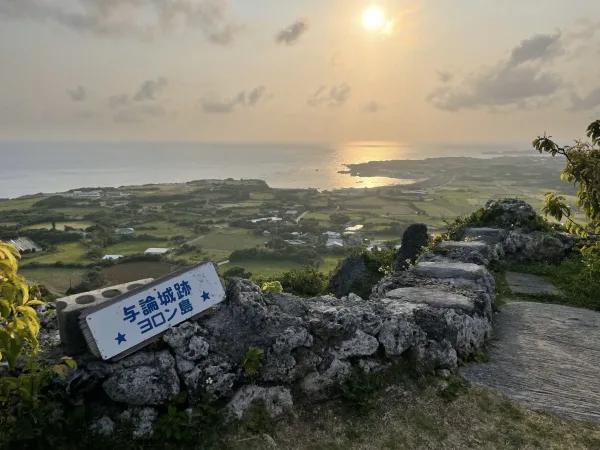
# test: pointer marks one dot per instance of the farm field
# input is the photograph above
(60, 225)
(72, 252)
(56, 279)
(126, 273)
(133, 247)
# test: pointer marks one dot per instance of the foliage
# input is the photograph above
(94, 279)
(252, 361)
(27, 386)
(173, 425)
(238, 272)
(19, 322)
(583, 170)
(272, 286)
(339, 219)
(306, 282)
(54, 201)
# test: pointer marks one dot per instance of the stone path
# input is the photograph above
(547, 356)
(522, 283)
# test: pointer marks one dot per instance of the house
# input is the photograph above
(126, 231)
(25, 244)
(291, 212)
(334, 243)
(332, 235)
(156, 251)
(266, 233)
(354, 227)
(295, 234)
(294, 242)
(87, 193)
(105, 257)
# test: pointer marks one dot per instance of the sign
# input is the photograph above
(131, 321)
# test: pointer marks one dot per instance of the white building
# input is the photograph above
(22, 244)
(291, 212)
(334, 243)
(156, 251)
(112, 256)
(266, 233)
(87, 193)
(332, 235)
(126, 231)
(294, 242)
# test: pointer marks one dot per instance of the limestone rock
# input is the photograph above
(214, 376)
(351, 276)
(291, 338)
(142, 420)
(361, 344)
(490, 236)
(413, 240)
(184, 340)
(433, 354)
(537, 246)
(277, 400)
(144, 379)
(103, 427)
(510, 213)
(316, 383)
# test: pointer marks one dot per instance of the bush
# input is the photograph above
(19, 323)
(305, 282)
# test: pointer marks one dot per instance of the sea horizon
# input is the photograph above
(31, 167)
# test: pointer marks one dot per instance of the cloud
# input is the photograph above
(519, 81)
(139, 113)
(78, 94)
(212, 105)
(445, 77)
(84, 114)
(587, 102)
(337, 95)
(293, 33)
(145, 19)
(117, 101)
(538, 47)
(149, 89)
(372, 107)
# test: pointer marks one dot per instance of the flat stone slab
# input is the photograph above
(522, 283)
(432, 297)
(547, 356)
(481, 247)
(449, 270)
(490, 236)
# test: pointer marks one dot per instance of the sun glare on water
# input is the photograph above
(373, 18)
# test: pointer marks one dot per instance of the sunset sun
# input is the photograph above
(373, 18)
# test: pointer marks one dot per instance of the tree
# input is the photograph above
(19, 324)
(582, 169)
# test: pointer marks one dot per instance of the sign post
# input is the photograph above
(133, 320)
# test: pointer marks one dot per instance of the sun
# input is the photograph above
(373, 18)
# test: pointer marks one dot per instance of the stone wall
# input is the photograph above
(430, 316)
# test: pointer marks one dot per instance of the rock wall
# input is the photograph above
(430, 316)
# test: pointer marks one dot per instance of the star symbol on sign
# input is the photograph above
(120, 338)
(205, 296)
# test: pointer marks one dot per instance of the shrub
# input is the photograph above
(19, 321)
(272, 286)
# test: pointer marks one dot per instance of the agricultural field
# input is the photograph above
(133, 247)
(72, 252)
(126, 273)
(55, 279)
(60, 225)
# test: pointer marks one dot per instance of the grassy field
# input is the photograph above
(133, 247)
(18, 204)
(270, 268)
(60, 225)
(72, 252)
(55, 279)
(165, 229)
(405, 417)
(228, 240)
(125, 273)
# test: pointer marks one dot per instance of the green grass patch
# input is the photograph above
(165, 229)
(18, 204)
(133, 247)
(55, 279)
(72, 252)
(60, 225)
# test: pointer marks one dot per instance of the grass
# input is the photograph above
(406, 417)
(18, 204)
(55, 279)
(125, 273)
(60, 225)
(72, 252)
(228, 239)
(581, 290)
(165, 229)
(133, 247)
(262, 268)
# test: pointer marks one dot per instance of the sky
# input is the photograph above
(298, 70)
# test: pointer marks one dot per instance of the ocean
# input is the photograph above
(33, 167)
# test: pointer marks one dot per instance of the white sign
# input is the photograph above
(134, 319)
